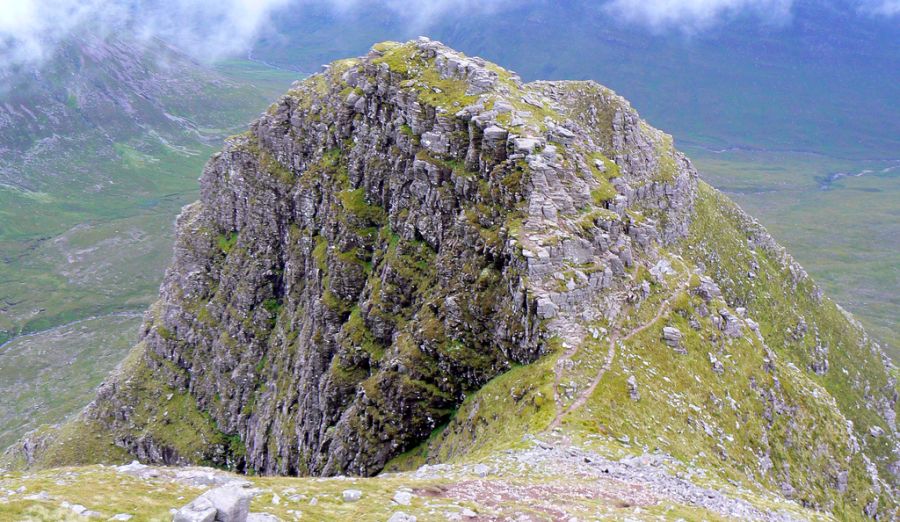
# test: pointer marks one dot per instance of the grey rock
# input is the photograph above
(670, 333)
(134, 467)
(661, 269)
(842, 481)
(546, 308)
(716, 364)
(708, 289)
(526, 145)
(232, 503)
(819, 363)
(400, 516)
(199, 510)
(561, 135)
(494, 134)
(202, 477)
(672, 337)
(351, 495)
(435, 142)
(262, 517)
(633, 388)
(731, 324)
(503, 107)
(403, 498)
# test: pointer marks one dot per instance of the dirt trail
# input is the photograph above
(583, 397)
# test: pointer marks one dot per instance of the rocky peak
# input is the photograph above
(403, 228)
(388, 237)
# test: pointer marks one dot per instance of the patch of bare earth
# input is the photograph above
(555, 501)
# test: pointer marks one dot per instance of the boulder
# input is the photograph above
(352, 495)
(262, 517)
(222, 504)
(404, 498)
(708, 289)
(732, 324)
(672, 336)
(231, 502)
(561, 134)
(633, 388)
(661, 269)
(200, 510)
(716, 364)
(494, 134)
(526, 145)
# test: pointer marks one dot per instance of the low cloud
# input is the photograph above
(693, 15)
(421, 14)
(208, 29)
(882, 7)
(31, 29)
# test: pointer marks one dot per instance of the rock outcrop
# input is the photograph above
(401, 229)
(356, 265)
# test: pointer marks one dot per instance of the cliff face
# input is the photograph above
(401, 229)
(352, 272)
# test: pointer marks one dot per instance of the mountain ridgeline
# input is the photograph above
(414, 257)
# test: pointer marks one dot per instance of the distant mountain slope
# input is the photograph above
(415, 257)
(109, 128)
(99, 149)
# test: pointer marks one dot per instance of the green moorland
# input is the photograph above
(45, 377)
(86, 230)
(844, 232)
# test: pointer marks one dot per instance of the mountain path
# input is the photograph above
(583, 397)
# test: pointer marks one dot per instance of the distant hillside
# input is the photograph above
(99, 148)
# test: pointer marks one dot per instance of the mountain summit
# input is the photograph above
(414, 257)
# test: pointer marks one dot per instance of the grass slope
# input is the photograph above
(746, 411)
(47, 376)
